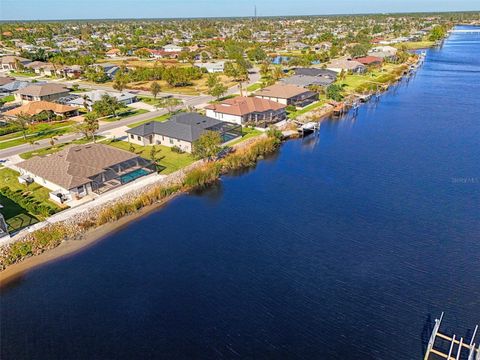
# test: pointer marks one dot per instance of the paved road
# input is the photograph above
(189, 101)
(105, 126)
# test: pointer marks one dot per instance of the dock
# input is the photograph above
(442, 346)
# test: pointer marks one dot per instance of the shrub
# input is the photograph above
(177, 150)
(28, 202)
(203, 176)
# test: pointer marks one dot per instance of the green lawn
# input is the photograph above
(308, 108)
(26, 74)
(373, 79)
(247, 133)
(56, 148)
(172, 161)
(126, 114)
(415, 45)
(158, 118)
(254, 87)
(15, 216)
(7, 98)
(35, 133)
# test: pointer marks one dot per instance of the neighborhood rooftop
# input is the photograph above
(42, 89)
(184, 126)
(245, 105)
(75, 165)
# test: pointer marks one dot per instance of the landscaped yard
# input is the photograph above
(308, 108)
(35, 133)
(254, 87)
(8, 98)
(415, 45)
(169, 159)
(373, 79)
(16, 216)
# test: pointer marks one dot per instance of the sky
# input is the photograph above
(103, 9)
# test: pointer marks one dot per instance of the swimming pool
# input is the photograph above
(133, 175)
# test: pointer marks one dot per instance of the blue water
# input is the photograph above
(342, 246)
(131, 176)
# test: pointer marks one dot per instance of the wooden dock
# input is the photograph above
(458, 347)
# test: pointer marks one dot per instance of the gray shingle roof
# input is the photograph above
(305, 80)
(185, 126)
(316, 72)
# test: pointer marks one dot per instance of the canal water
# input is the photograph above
(345, 245)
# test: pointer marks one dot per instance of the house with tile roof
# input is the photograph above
(247, 110)
(33, 108)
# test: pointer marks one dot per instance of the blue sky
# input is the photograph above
(100, 9)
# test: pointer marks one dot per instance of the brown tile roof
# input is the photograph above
(76, 164)
(5, 80)
(282, 91)
(42, 89)
(36, 107)
(245, 105)
(368, 60)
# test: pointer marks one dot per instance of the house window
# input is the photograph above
(132, 136)
(171, 141)
(139, 138)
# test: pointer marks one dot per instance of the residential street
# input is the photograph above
(190, 102)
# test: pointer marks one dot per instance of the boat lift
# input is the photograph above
(458, 346)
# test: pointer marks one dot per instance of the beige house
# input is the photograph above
(247, 110)
(80, 170)
(41, 92)
(181, 131)
(288, 95)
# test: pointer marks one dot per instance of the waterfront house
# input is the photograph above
(33, 108)
(288, 95)
(370, 60)
(80, 170)
(41, 92)
(307, 81)
(247, 110)
(181, 131)
(384, 52)
(346, 65)
(325, 73)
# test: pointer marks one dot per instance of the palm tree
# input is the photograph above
(23, 121)
(53, 139)
(91, 123)
(86, 101)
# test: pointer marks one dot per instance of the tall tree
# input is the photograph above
(23, 121)
(207, 146)
(155, 89)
